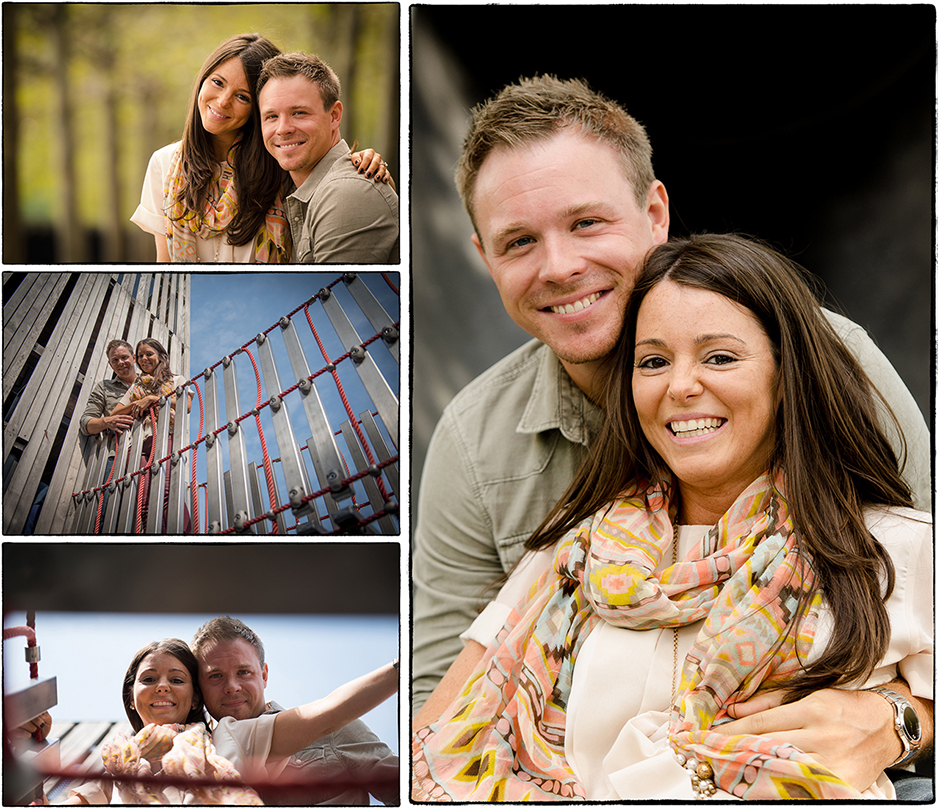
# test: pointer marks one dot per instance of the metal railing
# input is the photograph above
(342, 479)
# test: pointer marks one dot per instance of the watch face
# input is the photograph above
(911, 724)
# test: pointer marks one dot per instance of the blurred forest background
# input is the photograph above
(91, 91)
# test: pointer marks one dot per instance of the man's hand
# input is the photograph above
(849, 732)
(119, 423)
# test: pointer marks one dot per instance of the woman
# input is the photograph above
(155, 380)
(164, 705)
(217, 194)
(741, 507)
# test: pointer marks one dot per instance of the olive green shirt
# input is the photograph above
(339, 216)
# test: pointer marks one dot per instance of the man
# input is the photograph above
(104, 397)
(336, 214)
(108, 392)
(232, 678)
(559, 185)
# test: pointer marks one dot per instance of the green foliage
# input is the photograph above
(147, 56)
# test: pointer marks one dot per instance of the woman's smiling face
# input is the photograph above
(163, 690)
(147, 358)
(225, 100)
(706, 392)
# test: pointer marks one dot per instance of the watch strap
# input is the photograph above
(910, 747)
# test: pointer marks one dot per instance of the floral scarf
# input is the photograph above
(183, 227)
(184, 751)
(503, 738)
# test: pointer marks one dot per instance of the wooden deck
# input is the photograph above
(80, 745)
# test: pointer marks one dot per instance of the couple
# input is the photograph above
(262, 173)
(114, 403)
(166, 686)
(733, 441)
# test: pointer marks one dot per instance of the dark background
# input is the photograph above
(810, 126)
(297, 578)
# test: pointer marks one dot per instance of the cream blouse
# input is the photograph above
(618, 708)
(149, 215)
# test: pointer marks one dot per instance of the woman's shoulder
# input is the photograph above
(164, 154)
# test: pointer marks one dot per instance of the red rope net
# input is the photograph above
(142, 476)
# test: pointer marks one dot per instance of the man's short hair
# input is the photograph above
(312, 68)
(535, 109)
(114, 344)
(224, 629)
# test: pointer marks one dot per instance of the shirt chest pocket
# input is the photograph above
(303, 244)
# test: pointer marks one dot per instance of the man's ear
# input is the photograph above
(264, 674)
(657, 208)
(336, 114)
(479, 246)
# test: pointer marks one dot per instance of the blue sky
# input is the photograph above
(307, 656)
(229, 309)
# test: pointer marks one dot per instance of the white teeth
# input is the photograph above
(577, 306)
(692, 427)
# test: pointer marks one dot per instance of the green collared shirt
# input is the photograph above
(503, 453)
(103, 398)
(339, 216)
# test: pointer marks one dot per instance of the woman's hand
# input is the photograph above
(141, 407)
(370, 163)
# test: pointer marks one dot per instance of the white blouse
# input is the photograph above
(150, 218)
(616, 736)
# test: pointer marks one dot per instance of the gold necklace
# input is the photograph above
(700, 772)
(675, 630)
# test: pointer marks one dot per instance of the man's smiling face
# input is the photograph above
(232, 679)
(562, 235)
(296, 128)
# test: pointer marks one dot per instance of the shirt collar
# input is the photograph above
(320, 170)
(556, 403)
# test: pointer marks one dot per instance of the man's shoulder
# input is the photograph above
(843, 326)
(344, 177)
(109, 384)
(516, 372)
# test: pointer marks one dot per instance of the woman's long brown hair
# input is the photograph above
(829, 443)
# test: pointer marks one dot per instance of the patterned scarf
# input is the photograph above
(272, 244)
(185, 751)
(503, 738)
(146, 385)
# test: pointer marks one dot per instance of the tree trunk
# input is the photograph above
(113, 223)
(13, 236)
(69, 247)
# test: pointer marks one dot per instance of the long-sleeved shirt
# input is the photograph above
(353, 755)
(103, 399)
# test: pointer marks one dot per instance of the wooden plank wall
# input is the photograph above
(140, 305)
(80, 745)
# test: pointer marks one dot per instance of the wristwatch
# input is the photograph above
(906, 724)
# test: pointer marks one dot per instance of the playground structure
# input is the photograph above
(321, 485)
